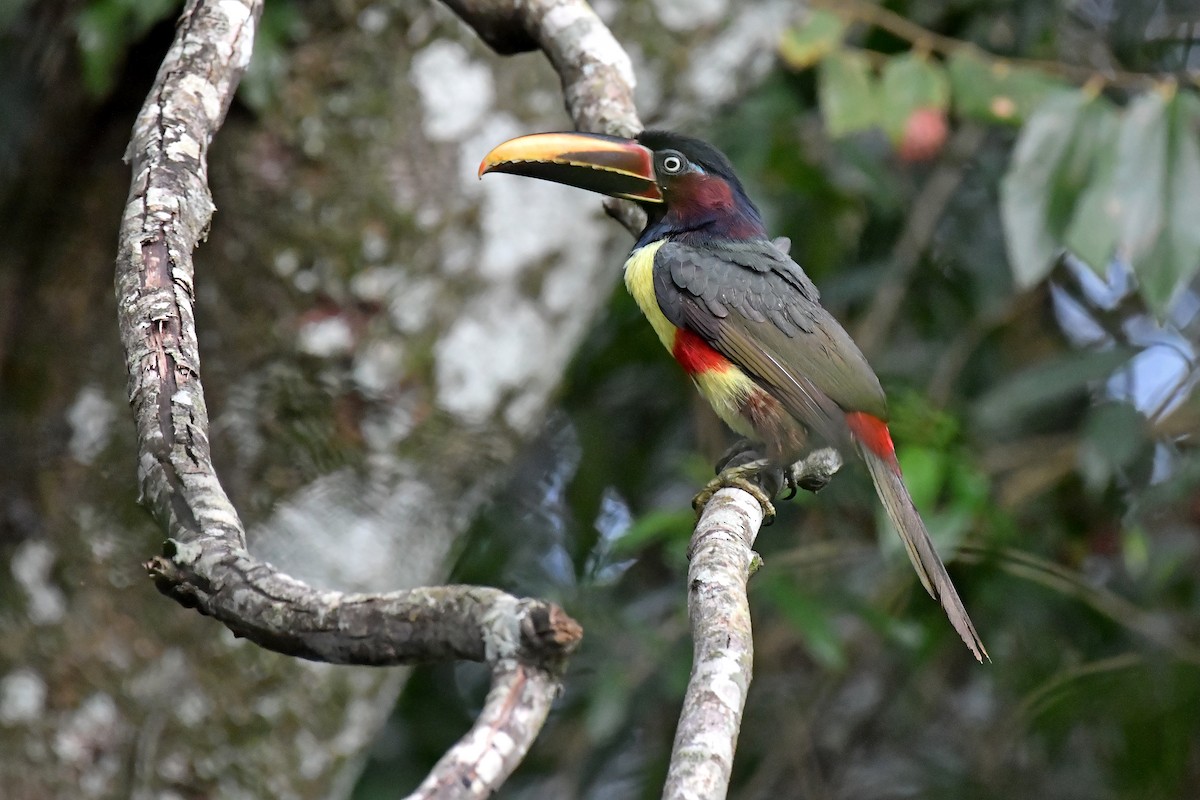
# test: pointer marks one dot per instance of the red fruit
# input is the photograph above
(924, 134)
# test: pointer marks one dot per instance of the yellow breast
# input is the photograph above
(639, 279)
(726, 388)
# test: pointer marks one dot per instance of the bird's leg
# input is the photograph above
(743, 467)
(813, 472)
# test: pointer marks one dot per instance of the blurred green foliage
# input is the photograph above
(106, 29)
(1044, 415)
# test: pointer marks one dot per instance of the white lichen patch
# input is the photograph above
(185, 147)
(523, 221)
(238, 15)
(31, 566)
(336, 532)
(90, 728)
(312, 757)
(326, 337)
(90, 419)
(286, 262)
(22, 697)
(455, 91)
(744, 50)
(378, 367)
(689, 15)
(596, 40)
(374, 19)
(203, 91)
(723, 676)
(192, 708)
(378, 284)
(495, 346)
(374, 244)
(387, 425)
(411, 308)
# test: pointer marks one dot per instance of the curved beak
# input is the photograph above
(606, 164)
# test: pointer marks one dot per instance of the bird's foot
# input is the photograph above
(742, 467)
(745, 477)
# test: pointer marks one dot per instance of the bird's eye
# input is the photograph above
(673, 164)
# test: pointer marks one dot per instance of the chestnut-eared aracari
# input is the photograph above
(738, 314)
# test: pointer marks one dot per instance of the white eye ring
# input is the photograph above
(672, 164)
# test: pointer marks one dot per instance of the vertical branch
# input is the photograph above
(721, 560)
(924, 215)
(166, 215)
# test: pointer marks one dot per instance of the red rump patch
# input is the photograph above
(694, 354)
(873, 433)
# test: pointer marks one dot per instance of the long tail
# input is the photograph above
(875, 444)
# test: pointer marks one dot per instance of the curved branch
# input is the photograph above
(596, 73)
(205, 564)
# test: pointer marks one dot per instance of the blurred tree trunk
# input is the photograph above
(380, 333)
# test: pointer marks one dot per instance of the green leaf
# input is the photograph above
(105, 29)
(1038, 192)
(1156, 189)
(1175, 256)
(654, 527)
(1114, 436)
(972, 83)
(911, 82)
(993, 91)
(847, 92)
(924, 471)
(1092, 232)
(817, 36)
(1141, 176)
(812, 619)
(1029, 392)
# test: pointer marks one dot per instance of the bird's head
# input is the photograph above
(687, 187)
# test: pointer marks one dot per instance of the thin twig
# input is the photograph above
(926, 212)
(518, 702)
(921, 37)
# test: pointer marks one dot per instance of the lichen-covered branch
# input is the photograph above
(477, 764)
(596, 73)
(721, 559)
(433, 623)
(168, 211)
(206, 564)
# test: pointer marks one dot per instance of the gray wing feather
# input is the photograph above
(750, 301)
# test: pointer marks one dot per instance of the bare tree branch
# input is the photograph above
(477, 764)
(721, 560)
(205, 564)
(596, 73)
(924, 215)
